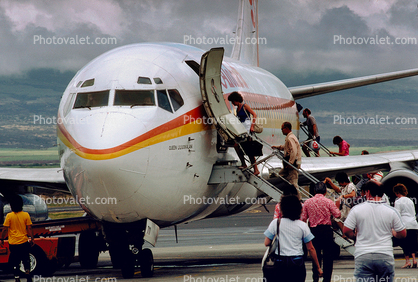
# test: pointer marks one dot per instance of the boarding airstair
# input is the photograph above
(232, 130)
(310, 140)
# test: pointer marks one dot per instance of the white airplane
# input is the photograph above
(133, 129)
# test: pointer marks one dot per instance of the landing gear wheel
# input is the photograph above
(88, 249)
(147, 263)
(116, 256)
(128, 266)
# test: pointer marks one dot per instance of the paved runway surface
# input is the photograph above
(225, 250)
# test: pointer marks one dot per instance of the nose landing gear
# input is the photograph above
(125, 247)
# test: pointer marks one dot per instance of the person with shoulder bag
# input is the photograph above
(242, 113)
(293, 233)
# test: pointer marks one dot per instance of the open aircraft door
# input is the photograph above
(227, 124)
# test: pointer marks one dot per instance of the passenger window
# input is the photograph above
(91, 99)
(163, 100)
(144, 80)
(176, 99)
(134, 98)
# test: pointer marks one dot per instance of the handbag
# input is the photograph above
(252, 148)
(258, 126)
(270, 262)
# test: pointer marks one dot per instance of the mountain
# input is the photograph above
(365, 116)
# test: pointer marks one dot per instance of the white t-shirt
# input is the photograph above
(293, 233)
(374, 221)
(406, 209)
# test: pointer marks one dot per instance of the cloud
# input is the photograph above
(300, 34)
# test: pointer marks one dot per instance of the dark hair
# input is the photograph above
(289, 189)
(290, 207)
(235, 97)
(16, 203)
(342, 177)
(337, 140)
(307, 110)
(374, 188)
(400, 189)
(287, 125)
(320, 188)
(364, 152)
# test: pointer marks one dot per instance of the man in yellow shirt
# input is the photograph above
(18, 226)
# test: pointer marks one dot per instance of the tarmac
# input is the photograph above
(227, 249)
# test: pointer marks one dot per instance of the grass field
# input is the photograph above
(29, 158)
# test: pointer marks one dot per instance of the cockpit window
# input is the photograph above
(144, 80)
(158, 80)
(87, 83)
(91, 99)
(163, 101)
(175, 98)
(134, 98)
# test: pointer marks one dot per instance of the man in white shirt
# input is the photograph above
(373, 224)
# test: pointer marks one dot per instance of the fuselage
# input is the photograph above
(135, 142)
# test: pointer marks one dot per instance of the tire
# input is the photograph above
(128, 265)
(147, 263)
(38, 261)
(88, 249)
(115, 256)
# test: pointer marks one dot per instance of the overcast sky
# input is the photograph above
(300, 34)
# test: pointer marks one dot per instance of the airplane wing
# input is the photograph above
(300, 92)
(44, 177)
(400, 165)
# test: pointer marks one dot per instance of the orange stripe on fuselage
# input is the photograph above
(177, 127)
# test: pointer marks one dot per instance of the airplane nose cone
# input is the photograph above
(109, 156)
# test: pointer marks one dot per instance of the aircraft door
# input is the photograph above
(227, 124)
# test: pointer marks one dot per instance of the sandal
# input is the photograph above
(407, 265)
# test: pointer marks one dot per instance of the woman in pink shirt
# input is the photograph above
(343, 146)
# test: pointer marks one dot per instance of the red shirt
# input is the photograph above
(319, 210)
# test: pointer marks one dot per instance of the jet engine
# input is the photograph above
(404, 174)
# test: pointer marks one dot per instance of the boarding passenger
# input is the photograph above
(293, 233)
(376, 177)
(405, 206)
(347, 191)
(343, 146)
(292, 154)
(17, 226)
(312, 130)
(247, 117)
(286, 190)
(372, 224)
(319, 210)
